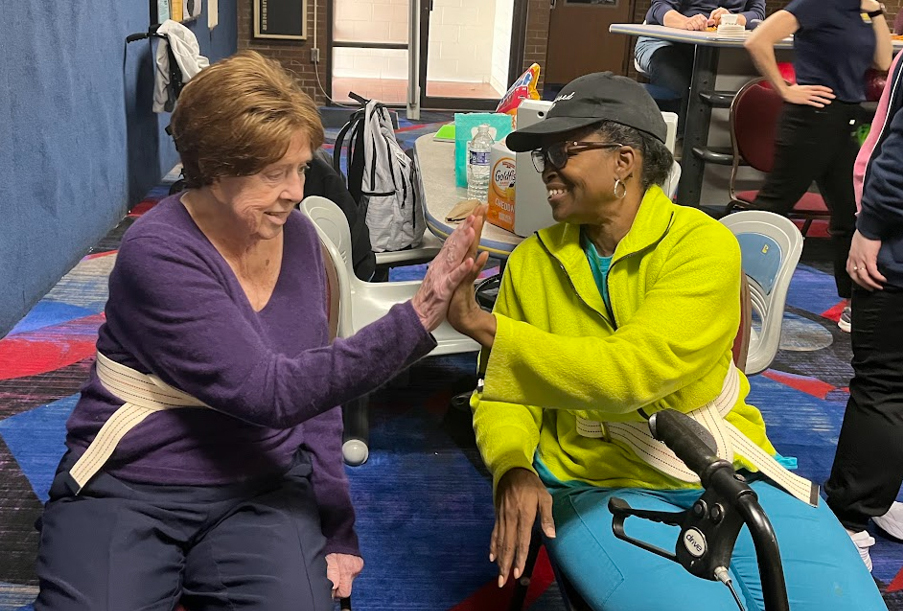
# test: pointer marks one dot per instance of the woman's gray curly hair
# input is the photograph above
(657, 159)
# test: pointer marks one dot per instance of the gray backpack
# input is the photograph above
(382, 179)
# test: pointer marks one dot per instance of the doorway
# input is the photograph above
(579, 40)
(464, 54)
(470, 51)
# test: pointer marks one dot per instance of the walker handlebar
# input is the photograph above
(709, 529)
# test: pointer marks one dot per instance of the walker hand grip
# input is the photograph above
(688, 439)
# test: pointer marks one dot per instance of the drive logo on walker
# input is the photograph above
(694, 541)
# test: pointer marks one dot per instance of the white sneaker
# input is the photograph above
(863, 541)
(845, 322)
(892, 521)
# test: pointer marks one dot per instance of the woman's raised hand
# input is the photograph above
(454, 263)
(464, 314)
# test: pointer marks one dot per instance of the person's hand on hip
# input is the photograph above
(808, 95)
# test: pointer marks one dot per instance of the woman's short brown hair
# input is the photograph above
(239, 116)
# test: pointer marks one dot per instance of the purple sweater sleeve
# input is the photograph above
(187, 329)
(323, 439)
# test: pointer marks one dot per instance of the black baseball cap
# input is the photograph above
(589, 99)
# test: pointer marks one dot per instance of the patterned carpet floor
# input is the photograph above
(423, 498)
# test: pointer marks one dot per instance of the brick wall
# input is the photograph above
(294, 55)
(536, 39)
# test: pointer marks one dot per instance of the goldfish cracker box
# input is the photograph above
(501, 187)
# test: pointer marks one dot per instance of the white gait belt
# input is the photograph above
(730, 440)
(143, 395)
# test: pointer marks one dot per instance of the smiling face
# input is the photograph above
(578, 192)
(260, 204)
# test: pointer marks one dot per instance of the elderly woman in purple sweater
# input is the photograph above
(204, 460)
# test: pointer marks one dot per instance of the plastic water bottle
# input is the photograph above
(478, 170)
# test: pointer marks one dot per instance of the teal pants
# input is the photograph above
(822, 567)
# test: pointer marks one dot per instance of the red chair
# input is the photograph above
(753, 124)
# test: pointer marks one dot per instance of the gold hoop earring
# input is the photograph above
(619, 183)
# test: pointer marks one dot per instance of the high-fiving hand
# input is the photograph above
(450, 267)
(464, 313)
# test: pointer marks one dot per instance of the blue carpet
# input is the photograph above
(423, 499)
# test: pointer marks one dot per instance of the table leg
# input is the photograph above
(696, 130)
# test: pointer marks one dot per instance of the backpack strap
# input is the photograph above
(339, 145)
(354, 157)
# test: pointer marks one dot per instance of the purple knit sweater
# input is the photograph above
(177, 310)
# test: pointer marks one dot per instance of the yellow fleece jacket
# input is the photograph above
(674, 286)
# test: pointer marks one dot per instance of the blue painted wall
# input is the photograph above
(79, 144)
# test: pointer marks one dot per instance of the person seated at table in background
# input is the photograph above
(835, 42)
(629, 305)
(218, 307)
(670, 65)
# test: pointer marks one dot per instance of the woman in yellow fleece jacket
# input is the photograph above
(629, 305)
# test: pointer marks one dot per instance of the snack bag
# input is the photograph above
(524, 88)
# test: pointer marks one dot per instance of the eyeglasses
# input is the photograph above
(557, 154)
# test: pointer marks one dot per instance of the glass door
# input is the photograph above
(470, 51)
(370, 53)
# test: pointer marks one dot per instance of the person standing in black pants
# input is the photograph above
(868, 466)
(835, 43)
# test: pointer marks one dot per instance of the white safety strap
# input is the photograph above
(143, 395)
(730, 442)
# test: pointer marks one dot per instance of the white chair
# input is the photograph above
(360, 303)
(771, 246)
(424, 253)
(670, 186)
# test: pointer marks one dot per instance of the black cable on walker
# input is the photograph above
(709, 529)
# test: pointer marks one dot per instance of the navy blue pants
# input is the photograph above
(120, 546)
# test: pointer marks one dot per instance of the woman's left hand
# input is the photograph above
(862, 264)
(341, 569)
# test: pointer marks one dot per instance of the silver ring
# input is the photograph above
(855, 268)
